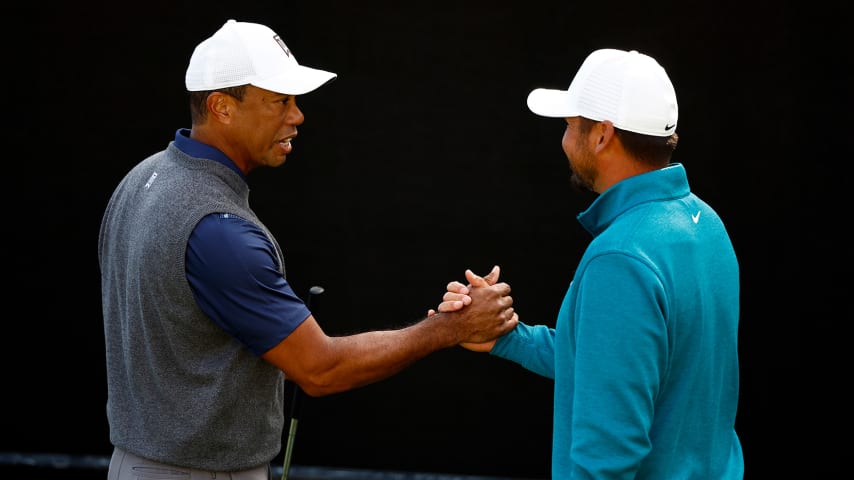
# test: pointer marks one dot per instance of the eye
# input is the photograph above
(286, 100)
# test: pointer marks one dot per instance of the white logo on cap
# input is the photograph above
(282, 44)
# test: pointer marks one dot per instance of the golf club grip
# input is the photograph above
(296, 398)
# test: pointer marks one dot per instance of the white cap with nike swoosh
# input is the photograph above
(626, 87)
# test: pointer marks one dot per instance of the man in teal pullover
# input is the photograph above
(644, 351)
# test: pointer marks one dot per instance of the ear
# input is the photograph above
(220, 106)
(604, 134)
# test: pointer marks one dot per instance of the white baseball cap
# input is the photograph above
(242, 53)
(626, 87)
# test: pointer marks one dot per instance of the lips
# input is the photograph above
(286, 146)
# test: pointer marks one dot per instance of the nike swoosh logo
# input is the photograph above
(696, 217)
(668, 127)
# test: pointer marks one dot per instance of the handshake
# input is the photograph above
(484, 309)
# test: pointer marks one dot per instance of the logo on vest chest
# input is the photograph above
(150, 180)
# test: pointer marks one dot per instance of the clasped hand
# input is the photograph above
(458, 297)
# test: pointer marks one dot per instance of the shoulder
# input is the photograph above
(229, 233)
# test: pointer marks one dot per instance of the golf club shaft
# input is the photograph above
(313, 292)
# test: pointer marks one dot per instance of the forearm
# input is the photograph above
(532, 347)
(364, 358)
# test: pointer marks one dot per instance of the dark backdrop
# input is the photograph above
(419, 161)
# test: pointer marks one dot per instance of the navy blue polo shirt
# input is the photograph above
(232, 270)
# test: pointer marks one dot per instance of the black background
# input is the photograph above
(419, 161)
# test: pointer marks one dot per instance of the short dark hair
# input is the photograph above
(649, 149)
(198, 101)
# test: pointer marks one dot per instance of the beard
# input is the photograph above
(583, 171)
(578, 183)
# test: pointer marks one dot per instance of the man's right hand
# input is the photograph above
(458, 297)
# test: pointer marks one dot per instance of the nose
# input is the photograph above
(295, 116)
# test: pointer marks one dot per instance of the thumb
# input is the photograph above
(475, 280)
(492, 277)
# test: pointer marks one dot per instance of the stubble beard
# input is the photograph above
(579, 184)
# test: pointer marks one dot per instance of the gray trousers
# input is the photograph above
(127, 466)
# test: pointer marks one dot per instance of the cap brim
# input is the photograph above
(551, 103)
(296, 81)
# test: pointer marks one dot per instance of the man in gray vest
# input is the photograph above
(201, 325)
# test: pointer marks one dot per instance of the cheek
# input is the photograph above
(566, 143)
